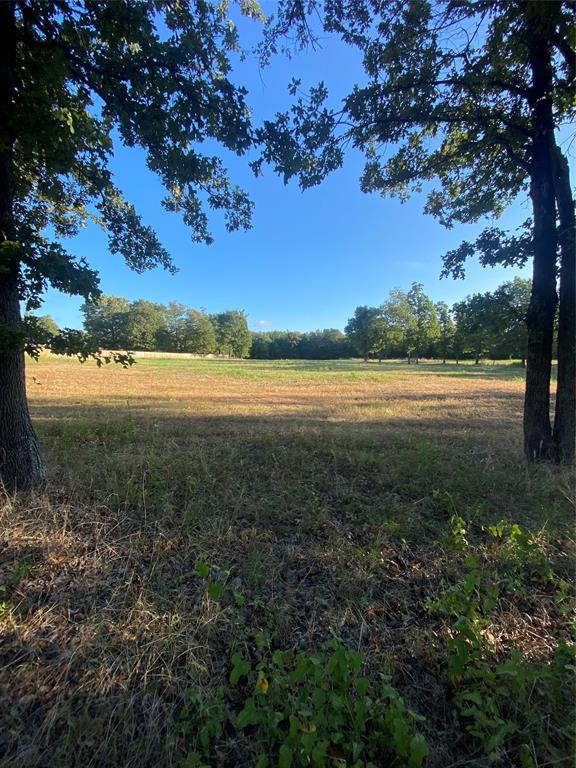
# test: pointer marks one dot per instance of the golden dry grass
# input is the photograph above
(319, 494)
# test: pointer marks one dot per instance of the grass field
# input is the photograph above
(202, 512)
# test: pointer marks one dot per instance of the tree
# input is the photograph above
(232, 335)
(459, 310)
(198, 334)
(106, 321)
(510, 304)
(326, 344)
(424, 328)
(260, 347)
(43, 329)
(399, 322)
(145, 325)
(285, 345)
(468, 93)
(381, 335)
(476, 324)
(364, 332)
(447, 330)
(170, 337)
(46, 323)
(72, 77)
(493, 323)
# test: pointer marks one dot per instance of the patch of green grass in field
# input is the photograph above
(276, 369)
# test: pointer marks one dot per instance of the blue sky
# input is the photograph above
(311, 257)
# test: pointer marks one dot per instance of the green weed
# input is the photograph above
(309, 710)
(501, 703)
(520, 711)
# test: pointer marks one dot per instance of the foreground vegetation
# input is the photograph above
(253, 563)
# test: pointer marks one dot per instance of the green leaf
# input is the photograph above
(248, 716)
(278, 658)
(240, 667)
(473, 696)
(319, 752)
(202, 568)
(525, 757)
(285, 756)
(215, 590)
(418, 751)
(262, 640)
(294, 725)
(401, 736)
(193, 760)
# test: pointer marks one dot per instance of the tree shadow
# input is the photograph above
(314, 522)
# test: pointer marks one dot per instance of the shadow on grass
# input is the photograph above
(312, 523)
(112, 624)
(285, 468)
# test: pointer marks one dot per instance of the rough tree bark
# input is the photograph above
(20, 462)
(564, 432)
(538, 443)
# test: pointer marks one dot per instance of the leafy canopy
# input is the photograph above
(149, 74)
(447, 99)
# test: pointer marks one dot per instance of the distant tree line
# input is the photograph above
(410, 325)
(113, 322)
(329, 344)
(407, 325)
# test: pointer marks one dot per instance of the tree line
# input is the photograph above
(410, 325)
(327, 344)
(407, 325)
(114, 322)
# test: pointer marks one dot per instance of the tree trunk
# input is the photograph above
(20, 463)
(543, 299)
(540, 322)
(564, 433)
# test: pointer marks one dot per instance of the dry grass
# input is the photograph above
(311, 490)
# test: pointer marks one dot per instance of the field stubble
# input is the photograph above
(319, 495)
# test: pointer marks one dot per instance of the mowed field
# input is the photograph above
(198, 510)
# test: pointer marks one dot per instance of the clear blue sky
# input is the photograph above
(311, 257)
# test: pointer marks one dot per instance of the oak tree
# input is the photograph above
(425, 328)
(198, 333)
(75, 76)
(365, 331)
(400, 323)
(447, 329)
(232, 335)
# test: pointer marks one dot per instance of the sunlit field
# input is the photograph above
(201, 509)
